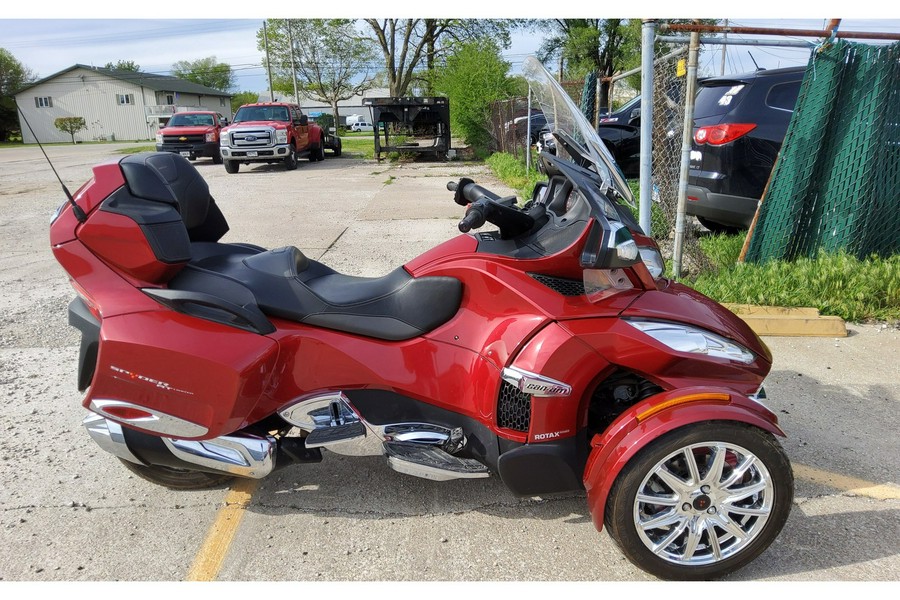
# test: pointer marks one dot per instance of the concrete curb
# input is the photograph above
(782, 321)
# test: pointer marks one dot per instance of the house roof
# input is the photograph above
(154, 81)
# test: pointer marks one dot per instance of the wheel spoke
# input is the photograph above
(753, 488)
(667, 500)
(743, 510)
(714, 541)
(695, 532)
(668, 517)
(675, 483)
(739, 472)
(676, 531)
(714, 476)
(691, 462)
(730, 526)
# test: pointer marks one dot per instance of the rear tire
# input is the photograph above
(724, 492)
(176, 479)
(232, 166)
(337, 147)
(718, 227)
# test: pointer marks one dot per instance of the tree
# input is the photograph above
(13, 76)
(405, 42)
(70, 125)
(592, 45)
(124, 65)
(206, 71)
(242, 98)
(474, 77)
(327, 56)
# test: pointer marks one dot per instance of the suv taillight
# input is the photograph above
(716, 135)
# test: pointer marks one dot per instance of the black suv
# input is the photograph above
(739, 125)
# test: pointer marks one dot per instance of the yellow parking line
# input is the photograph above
(850, 485)
(214, 549)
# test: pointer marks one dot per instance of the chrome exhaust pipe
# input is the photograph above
(241, 455)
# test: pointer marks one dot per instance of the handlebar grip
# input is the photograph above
(451, 185)
(474, 219)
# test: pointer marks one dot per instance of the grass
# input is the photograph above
(511, 171)
(835, 283)
(358, 146)
(136, 149)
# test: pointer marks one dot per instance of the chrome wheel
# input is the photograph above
(703, 503)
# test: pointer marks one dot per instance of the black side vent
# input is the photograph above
(513, 408)
(560, 285)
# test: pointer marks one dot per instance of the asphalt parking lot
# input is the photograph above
(70, 512)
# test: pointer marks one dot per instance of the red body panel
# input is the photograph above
(626, 436)
(208, 374)
(121, 242)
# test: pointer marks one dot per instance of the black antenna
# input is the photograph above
(79, 214)
(754, 62)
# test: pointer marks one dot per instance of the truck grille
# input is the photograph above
(513, 408)
(184, 139)
(253, 138)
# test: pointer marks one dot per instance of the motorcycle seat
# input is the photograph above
(288, 285)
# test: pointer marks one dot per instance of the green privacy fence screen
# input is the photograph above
(837, 182)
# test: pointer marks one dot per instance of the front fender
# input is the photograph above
(655, 416)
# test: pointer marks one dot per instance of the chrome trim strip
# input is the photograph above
(108, 435)
(242, 455)
(159, 422)
(432, 473)
(535, 384)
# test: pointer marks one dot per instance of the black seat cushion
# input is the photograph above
(287, 285)
(171, 179)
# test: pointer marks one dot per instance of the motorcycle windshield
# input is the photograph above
(570, 127)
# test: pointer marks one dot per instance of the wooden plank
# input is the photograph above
(775, 325)
(750, 309)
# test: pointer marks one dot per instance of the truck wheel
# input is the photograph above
(232, 166)
(701, 501)
(337, 147)
(217, 158)
(290, 161)
(320, 153)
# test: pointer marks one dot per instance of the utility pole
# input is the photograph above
(293, 69)
(724, 49)
(268, 64)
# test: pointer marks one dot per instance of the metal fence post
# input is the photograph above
(686, 136)
(648, 37)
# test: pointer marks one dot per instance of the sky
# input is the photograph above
(47, 46)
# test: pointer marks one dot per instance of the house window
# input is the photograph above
(43, 102)
(221, 101)
(170, 99)
(125, 98)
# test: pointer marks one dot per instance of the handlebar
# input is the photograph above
(474, 219)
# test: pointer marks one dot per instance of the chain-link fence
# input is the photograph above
(837, 182)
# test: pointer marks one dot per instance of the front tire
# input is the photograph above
(701, 501)
(232, 166)
(337, 147)
(176, 479)
(290, 161)
(217, 157)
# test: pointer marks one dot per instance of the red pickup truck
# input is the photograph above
(273, 132)
(192, 134)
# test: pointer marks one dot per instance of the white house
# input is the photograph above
(115, 105)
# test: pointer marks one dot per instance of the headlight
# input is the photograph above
(685, 338)
(159, 137)
(211, 136)
(653, 260)
(281, 136)
(223, 139)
